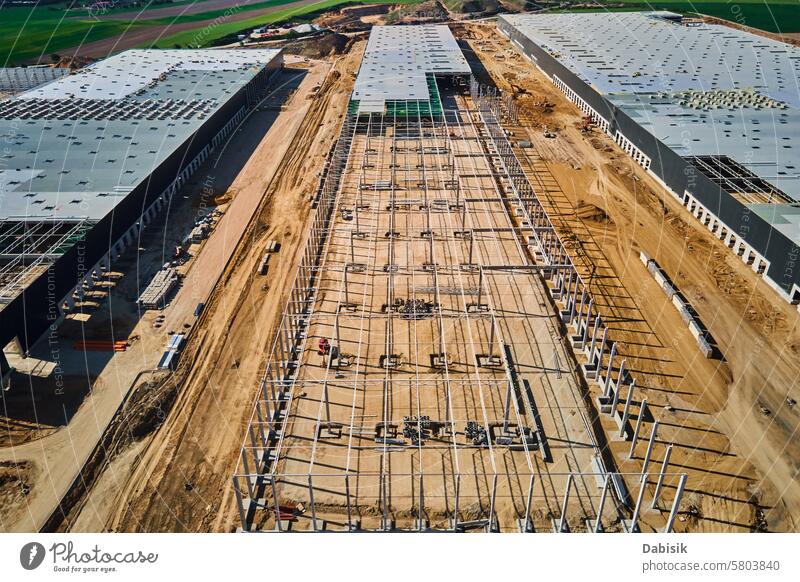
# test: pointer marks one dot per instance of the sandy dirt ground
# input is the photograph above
(59, 455)
(179, 478)
(741, 462)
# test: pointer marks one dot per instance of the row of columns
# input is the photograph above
(268, 422)
(578, 312)
(582, 105)
(748, 255)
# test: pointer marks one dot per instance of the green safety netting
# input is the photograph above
(431, 108)
(72, 239)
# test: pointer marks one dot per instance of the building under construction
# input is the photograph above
(711, 112)
(424, 375)
(93, 156)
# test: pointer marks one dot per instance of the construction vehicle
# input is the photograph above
(324, 346)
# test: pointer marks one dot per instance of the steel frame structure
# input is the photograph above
(28, 248)
(738, 181)
(367, 413)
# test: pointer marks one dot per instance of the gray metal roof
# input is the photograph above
(74, 147)
(702, 90)
(397, 59)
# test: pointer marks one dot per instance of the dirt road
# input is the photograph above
(181, 479)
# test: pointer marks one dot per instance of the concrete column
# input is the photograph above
(728, 237)
(563, 521)
(627, 409)
(650, 444)
(675, 504)
(642, 409)
(609, 369)
(660, 482)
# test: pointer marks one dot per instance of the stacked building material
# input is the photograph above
(156, 293)
(100, 345)
(198, 233)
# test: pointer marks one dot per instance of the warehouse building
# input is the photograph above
(400, 67)
(711, 112)
(91, 157)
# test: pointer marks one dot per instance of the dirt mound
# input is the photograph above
(320, 46)
(144, 411)
(430, 11)
(15, 479)
(76, 62)
(588, 211)
(474, 6)
(223, 198)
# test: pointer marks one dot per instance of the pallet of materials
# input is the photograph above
(198, 233)
(157, 292)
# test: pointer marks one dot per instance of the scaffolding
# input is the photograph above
(29, 247)
(419, 379)
(738, 181)
(19, 79)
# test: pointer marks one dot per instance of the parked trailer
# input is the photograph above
(263, 266)
(168, 361)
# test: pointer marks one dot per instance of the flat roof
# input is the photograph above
(397, 61)
(702, 89)
(76, 146)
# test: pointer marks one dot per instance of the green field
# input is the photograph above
(194, 38)
(29, 33)
(770, 15)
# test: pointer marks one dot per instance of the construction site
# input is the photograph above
(433, 293)
(420, 378)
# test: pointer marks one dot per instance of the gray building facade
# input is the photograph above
(762, 235)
